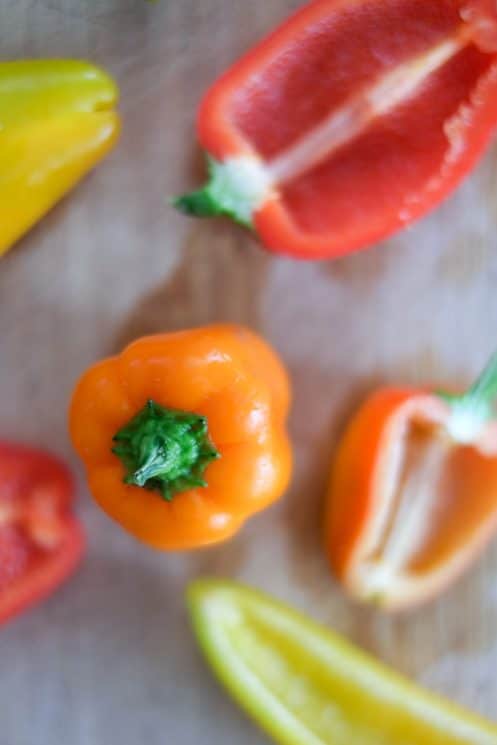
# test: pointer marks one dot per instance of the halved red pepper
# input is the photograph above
(41, 542)
(413, 493)
(351, 120)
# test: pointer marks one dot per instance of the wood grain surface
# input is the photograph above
(110, 660)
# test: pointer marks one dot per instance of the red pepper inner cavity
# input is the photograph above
(15, 555)
(336, 65)
(30, 524)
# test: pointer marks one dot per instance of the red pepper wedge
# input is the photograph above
(353, 119)
(41, 542)
(412, 499)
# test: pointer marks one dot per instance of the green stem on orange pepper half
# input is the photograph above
(472, 409)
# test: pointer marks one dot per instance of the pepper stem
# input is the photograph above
(198, 203)
(165, 450)
(472, 409)
(236, 188)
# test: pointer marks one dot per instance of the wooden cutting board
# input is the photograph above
(110, 659)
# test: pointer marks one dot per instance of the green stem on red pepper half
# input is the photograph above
(165, 450)
(236, 188)
(472, 409)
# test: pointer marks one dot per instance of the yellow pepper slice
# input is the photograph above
(305, 685)
(56, 122)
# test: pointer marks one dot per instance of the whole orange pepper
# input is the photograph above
(183, 434)
(413, 493)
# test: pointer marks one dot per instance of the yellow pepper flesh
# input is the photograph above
(56, 123)
(305, 685)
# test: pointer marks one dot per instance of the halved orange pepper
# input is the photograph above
(183, 434)
(413, 492)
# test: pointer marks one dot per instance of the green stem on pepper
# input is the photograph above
(165, 450)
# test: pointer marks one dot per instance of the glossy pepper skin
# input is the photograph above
(350, 121)
(305, 685)
(56, 122)
(194, 423)
(41, 542)
(413, 493)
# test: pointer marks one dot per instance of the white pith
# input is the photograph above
(45, 534)
(465, 424)
(241, 184)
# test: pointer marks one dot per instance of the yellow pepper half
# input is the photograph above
(305, 685)
(56, 122)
